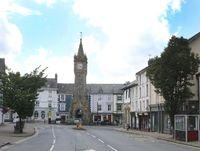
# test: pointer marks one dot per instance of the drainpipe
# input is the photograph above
(197, 77)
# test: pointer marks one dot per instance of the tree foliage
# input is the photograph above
(21, 91)
(171, 74)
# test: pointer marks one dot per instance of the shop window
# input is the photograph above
(109, 107)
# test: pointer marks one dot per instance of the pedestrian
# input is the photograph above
(127, 127)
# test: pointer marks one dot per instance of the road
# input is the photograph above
(64, 138)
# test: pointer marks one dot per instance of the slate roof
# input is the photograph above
(129, 85)
(51, 83)
(66, 88)
(194, 37)
(2, 65)
(104, 88)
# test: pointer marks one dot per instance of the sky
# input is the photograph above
(119, 36)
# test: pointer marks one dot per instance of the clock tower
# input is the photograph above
(80, 103)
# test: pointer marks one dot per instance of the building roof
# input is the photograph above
(104, 88)
(142, 71)
(80, 49)
(129, 85)
(66, 88)
(194, 37)
(51, 83)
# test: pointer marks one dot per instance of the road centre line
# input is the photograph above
(112, 147)
(100, 140)
(93, 136)
(54, 139)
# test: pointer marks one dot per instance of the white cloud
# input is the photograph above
(49, 3)
(133, 29)
(11, 38)
(62, 65)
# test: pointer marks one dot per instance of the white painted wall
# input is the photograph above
(143, 91)
(134, 99)
(46, 97)
(102, 99)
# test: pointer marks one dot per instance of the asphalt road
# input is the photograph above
(64, 138)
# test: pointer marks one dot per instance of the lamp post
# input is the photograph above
(1, 104)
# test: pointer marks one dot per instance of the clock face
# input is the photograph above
(79, 66)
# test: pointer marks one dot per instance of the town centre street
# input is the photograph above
(95, 138)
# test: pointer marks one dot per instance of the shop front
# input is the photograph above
(103, 119)
(144, 121)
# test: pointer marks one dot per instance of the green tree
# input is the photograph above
(171, 74)
(21, 91)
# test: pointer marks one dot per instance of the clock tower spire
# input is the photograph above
(80, 104)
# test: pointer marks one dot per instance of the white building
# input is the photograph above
(102, 101)
(47, 102)
(127, 103)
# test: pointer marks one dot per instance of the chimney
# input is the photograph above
(56, 77)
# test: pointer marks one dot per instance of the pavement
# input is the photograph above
(8, 137)
(159, 136)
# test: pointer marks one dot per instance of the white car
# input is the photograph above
(15, 119)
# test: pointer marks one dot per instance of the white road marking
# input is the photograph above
(54, 140)
(93, 136)
(51, 148)
(100, 140)
(112, 148)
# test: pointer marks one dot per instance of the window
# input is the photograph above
(119, 98)
(147, 101)
(62, 107)
(99, 107)
(109, 97)
(140, 92)
(62, 97)
(36, 114)
(49, 105)
(147, 90)
(109, 107)
(119, 107)
(129, 93)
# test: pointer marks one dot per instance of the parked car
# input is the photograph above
(15, 119)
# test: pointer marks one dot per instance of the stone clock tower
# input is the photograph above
(80, 103)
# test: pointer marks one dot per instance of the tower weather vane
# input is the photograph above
(81, 35)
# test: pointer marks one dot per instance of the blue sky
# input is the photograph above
(118, 36)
